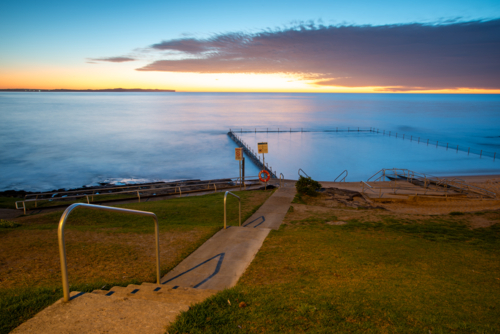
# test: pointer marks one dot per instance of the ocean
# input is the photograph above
(68, 140)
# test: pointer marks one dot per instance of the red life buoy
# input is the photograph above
(261, 175)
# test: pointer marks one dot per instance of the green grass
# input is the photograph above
(8, 224)
(203, 213)
(9, 202)
(175, 214)
(392, 276)
(435, 230)
(298, 199)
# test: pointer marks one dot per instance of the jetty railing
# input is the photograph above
(251, 154)
(239, 201)
(62, 245)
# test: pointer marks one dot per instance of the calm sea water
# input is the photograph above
(66, 140)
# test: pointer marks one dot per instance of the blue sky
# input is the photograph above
(64, 35)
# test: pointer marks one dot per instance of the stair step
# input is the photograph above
(95, 313)
(168, 294)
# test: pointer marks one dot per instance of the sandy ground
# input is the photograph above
(344, 201)
(410, 202)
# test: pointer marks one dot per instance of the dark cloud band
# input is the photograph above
(440, 56)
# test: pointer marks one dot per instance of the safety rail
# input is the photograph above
(177, 189)
(300, 169)
(363, 184)
(426, 181)
(62, 245)
(343, 179)
(282, 179)
(225, 199)
(436, 143)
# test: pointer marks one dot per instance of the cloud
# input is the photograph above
(398, 57)
(111, 59)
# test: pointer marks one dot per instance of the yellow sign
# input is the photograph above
(238, 152)
(262, 147)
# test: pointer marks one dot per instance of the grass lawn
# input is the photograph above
(380, 272)
(9, 202)
(104, 249)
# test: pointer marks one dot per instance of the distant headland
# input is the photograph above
(110, 90)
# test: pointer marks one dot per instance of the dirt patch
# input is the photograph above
(31, 257)
(482, 221)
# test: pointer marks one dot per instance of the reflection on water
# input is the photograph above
(66, 140)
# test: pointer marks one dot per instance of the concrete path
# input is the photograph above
(220, 262)
(271, 213)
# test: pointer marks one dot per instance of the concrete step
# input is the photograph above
(167, 294)
(97, 313)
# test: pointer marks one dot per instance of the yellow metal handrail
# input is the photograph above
(225, 198)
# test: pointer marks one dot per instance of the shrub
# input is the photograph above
(307, 186)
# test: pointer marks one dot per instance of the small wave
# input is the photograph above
(124, 181)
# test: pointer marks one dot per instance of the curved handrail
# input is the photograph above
(62, 246)
(343, 180)
(225, 198)
(382, 170)
(363, 183)
(282, 179)
(300, 169)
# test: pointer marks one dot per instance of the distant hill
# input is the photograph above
(111, 90)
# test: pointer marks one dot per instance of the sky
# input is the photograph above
(380, 46)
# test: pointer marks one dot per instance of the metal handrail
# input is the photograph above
(282, 179)
(62, 245)
(429, 179)
(343, 180)
(132, 188)
(363, 183)
(143, 191)
(225, 198)
(300, 169)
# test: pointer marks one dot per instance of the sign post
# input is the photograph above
(262, 148)
(238, 155)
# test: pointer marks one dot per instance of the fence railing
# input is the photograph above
(445, 144)
(402, 136)
(225, 199)
(62, 245)
(131, 192)
(290, 130)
